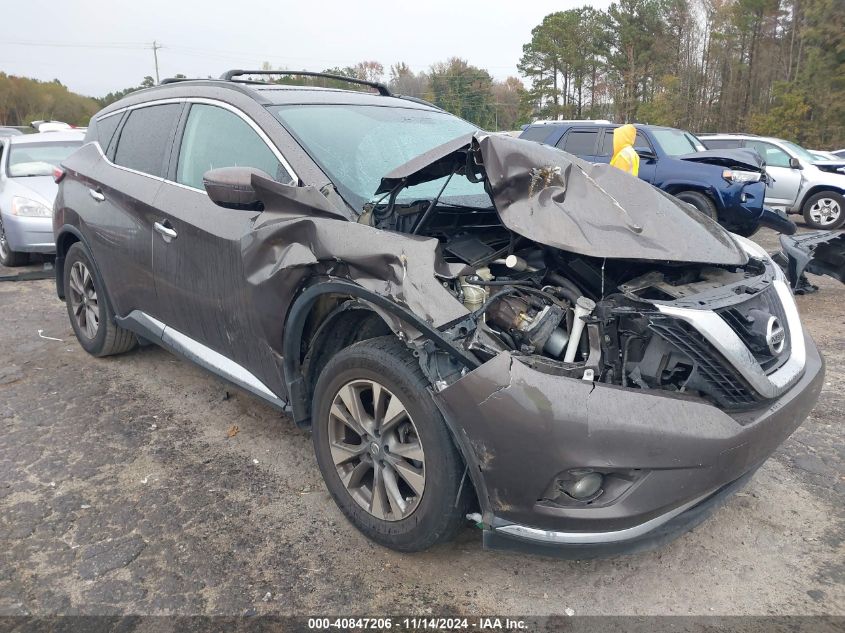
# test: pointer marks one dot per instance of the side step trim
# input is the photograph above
(157, 332)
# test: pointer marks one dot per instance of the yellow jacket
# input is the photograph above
(624, 156)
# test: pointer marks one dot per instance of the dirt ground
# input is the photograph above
(124, 488)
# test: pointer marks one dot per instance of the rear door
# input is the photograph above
(197, 244)
(120, 194)
(785, 182)
(582, 142)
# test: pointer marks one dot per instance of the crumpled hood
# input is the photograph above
(556, 199)
(729, 158)
(39, 188)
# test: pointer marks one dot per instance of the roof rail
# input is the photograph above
(383, 90)
(417, 100)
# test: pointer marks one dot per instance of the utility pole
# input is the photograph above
(155, 47)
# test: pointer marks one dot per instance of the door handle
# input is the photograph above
(167, 232)
(97, 195)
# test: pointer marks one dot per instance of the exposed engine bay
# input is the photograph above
(587, 317)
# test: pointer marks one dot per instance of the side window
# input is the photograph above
(215, 137)
(641, 143)
(106, 129)
(537, 133)
(722, 143)
(580, 142)
(774, 156)
(145, 138)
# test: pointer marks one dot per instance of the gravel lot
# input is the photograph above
(125, 489)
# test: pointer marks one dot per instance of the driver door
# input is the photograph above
(197, 257)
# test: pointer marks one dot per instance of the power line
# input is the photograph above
(132, 45)
(155, 47)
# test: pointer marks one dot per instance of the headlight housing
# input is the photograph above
(738, 175)
(26, 208)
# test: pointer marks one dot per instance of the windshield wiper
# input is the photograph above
(431, 205)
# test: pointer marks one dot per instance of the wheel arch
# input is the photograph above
(679, 187)
(66, 237)
(296, 340)
(818, 189)
(354, 313)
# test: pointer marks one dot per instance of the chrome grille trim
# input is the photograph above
(719, 334)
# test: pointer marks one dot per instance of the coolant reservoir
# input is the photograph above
(475, 295)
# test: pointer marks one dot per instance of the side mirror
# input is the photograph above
(231, 187)
(795, 163)
(645, 153)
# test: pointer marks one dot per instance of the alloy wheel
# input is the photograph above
(376, 450)
(825, 211)
(83, 300)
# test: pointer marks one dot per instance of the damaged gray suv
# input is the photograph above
(472, 325)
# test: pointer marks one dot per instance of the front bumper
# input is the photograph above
(521, 428)
(29, 235)
(741, 206)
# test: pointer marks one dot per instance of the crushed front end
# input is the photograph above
(633, 373)
(676, 391)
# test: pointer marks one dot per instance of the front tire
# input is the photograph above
(8, 257)
(700, 202)
(824, 210)
(384, 450)
(90, 314)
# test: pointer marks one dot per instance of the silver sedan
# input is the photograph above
(27, 191)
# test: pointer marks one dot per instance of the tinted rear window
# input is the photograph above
(538, 133)
(580, 142)
(105, 129)
(145, 138)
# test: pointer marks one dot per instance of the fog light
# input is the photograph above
(583, 485)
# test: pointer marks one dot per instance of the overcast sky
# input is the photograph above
(206, 37)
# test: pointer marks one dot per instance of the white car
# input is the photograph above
(801, 183)
(27, 191)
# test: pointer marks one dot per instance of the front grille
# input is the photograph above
(726, 386)
(768, 301)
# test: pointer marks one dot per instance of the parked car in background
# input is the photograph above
(800, 182)
(840, 153)
(51, 126)
(473, 326)
(27, 191)
(726, 186)
(10, 131)
(823, 155)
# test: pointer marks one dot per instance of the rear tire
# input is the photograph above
(401, 484)
(700, 202)
(88, 308)
(824, 210)
(8, 257)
